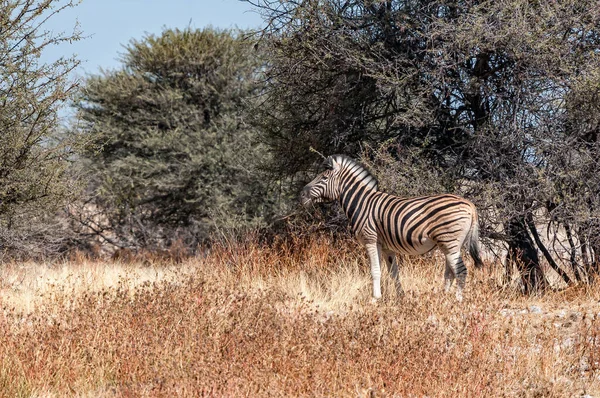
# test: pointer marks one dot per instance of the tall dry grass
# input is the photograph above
(290, 318)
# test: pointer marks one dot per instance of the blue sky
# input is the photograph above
(110, 24)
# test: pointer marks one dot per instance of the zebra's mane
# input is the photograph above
(357, 170)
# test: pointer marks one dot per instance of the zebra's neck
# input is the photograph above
(356, 185)
(353, 173)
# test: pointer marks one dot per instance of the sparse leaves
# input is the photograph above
(33, 155)
(495, 96)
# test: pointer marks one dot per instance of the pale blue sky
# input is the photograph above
(110, 24)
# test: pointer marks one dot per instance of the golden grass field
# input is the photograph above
(287, 319)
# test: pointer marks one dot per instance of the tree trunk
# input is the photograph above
(584, 255)
(595, 261)
(573, 254)
(536, 237)
(523, 254)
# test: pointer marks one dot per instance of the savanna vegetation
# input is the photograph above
(287, 319)
(153, 244)
(492, 100)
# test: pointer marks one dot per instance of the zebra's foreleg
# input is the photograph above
(458, 269)
(375, 269)
(391, 260)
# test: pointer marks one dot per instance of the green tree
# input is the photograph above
(33, 158)
(171, 154)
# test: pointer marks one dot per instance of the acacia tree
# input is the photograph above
(170, 152)
(486, 92)
(33, 160)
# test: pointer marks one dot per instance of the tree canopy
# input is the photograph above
(170, 148)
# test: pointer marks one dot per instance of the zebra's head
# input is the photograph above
(323, 188)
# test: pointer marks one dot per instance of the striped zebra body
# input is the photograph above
(387, 224)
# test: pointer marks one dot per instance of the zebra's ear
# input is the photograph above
(331, 164)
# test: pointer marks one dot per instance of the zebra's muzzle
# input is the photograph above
(305, 198)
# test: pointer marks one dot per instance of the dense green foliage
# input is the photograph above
(33, 160)
(170, 152)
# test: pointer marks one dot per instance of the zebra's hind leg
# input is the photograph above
(455, 268)
(448, 276)
(391, 260)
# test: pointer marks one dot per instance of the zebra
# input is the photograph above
(387, 224)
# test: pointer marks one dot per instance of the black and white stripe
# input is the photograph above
(387, 224)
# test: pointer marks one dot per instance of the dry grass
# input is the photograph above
(288, 319)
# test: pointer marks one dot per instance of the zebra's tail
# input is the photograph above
(473, 242)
